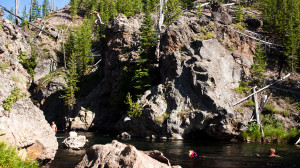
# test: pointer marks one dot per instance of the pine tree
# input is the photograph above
(259, 65)
(199, 11)
(79, 43)
(74, 7)
(173, 11)
(239, 13)
(72, 80)
(36, 10)
(141, 79)
(46, 8)
(25, 18)
(10, 16)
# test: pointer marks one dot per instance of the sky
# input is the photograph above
(11, 3)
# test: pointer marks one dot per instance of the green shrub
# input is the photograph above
(135, 109)
(243, 87)
(240, 27)
(274, 131)
(15, 95)
(249, 103)
(3, 66)
(253, 133)
(231, 48)
(29, 64)
(9, 158)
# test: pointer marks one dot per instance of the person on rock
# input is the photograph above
(192, 153)
(98, 17)
(272, 153)
(53, 126)
(73, 134)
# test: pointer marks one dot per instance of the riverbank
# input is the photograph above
(211, 153)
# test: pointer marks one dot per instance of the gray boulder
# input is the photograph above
(117, 154)
(74, 142)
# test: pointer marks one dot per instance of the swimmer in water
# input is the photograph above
(192, 153)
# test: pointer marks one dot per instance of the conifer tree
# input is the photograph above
(74, 7)
(36, 10)
(10, 16)
(259, 65)
(72, 79)
(173, 11)
(46, 8)
(25, 18)
(239, 13)
(142, 79)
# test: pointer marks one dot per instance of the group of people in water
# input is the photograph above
(272, 152)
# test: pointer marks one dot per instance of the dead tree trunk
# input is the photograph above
(162, 5)
(262, 89)
(257, 113)
(17, 11)
(30, 15)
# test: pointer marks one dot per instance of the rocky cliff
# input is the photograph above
(198, 80)
(24, 125)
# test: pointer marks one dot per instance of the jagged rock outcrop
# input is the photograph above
(24, 125)
(220, 14)
(119, 49)
(117, 154)
(197, 90)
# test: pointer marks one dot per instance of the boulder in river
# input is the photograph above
(117, 154)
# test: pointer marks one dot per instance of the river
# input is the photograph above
(213, 154)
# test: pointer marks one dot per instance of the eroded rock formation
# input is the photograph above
(24, 125)
(117, 154)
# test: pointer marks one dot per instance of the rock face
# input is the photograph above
(24, 125)
(220, 14)
(119, 49)
(197, 90)
(117, 154)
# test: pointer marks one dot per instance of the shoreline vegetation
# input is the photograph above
(9, 158)
(274, 131)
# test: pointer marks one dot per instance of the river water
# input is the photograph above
(213, 154)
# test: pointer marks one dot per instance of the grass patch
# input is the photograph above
(208, 35)
(249, 103)
(61, 26)
(1, 26)
(239, 27)
(231, 48)
(9, 158)
(15, 95)
(161, 119)
(212, 24)
(42, 44)
(3, 66)
(270, 108)
(45, 49)
(15, 79)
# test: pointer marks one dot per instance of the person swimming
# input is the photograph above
(272, 153)
(192, 153)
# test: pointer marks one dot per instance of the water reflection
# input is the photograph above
(212, 154)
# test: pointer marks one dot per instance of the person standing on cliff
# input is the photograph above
(98, 17)
(53, 126)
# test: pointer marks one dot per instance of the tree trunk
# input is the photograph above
(17, 11)
(162, 4)
(30, 15)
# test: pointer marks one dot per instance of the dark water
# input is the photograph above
(213, 154)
